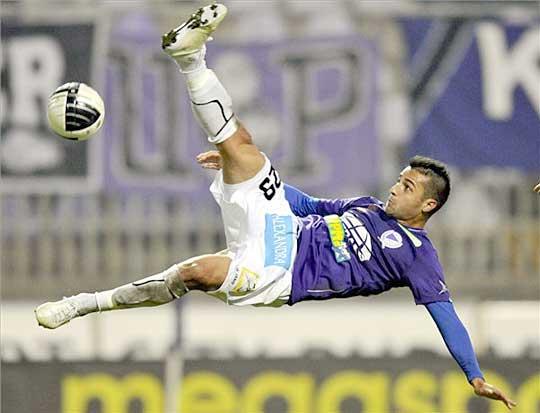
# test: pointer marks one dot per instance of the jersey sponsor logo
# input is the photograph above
(278, 240)
(357, 235)
(391, 239)
(245, 280)
(444, 288)
(337, 237)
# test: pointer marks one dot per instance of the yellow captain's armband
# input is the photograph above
(336, 232)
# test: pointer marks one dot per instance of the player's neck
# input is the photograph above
(415, 222)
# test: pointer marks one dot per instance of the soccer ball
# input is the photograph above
(75, 111)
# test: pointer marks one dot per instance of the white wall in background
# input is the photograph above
(365, 326)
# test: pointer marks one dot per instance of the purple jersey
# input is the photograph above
(352, 247)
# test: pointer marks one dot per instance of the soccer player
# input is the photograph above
(284, 246)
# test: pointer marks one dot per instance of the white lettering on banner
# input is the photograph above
(36, 68)
(505, 68)
(150, 137)
(346, 108)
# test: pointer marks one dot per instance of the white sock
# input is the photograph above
(154, 290)
(192, 62)
(86, 303)
(104, 300)
(210, 102)
(212, 106)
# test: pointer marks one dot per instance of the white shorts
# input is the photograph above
(261, 233)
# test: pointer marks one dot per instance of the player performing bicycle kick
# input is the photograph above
(284, 246)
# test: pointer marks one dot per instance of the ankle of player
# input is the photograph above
(191, 63)
(85, 303)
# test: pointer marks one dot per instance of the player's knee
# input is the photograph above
(203, 274)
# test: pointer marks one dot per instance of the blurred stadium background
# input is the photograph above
(339, 94)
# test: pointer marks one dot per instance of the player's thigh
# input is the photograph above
(205, 272)
(242, 160)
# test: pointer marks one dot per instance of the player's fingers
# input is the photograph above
(204, 155)
(210, 157)
(208, 165)
(509, 403)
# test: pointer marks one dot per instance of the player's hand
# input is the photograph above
(210, 160)
(483, 389)
(537, 188)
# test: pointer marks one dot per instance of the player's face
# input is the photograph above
(407, 202)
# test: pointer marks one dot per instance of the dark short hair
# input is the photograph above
(438, 187)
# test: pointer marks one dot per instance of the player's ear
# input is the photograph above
(429, 205)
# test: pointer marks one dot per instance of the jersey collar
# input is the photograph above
(415, 240)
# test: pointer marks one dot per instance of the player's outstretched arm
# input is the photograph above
(459, 344)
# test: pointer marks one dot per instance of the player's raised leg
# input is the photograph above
(211, 103)
(205, 273)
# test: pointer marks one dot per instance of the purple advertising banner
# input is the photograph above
(309, 104)
(475, 91)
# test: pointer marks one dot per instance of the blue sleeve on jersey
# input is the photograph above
(301, 204)
(456, 337)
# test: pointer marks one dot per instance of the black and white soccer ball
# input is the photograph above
(75, 111)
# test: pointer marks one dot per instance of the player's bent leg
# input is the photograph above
(205, 273)
(242, 160)
(211, 104)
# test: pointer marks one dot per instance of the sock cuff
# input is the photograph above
(212, 105)
(104, 300)
(226, 132)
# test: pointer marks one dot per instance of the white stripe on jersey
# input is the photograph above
(357, 236)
